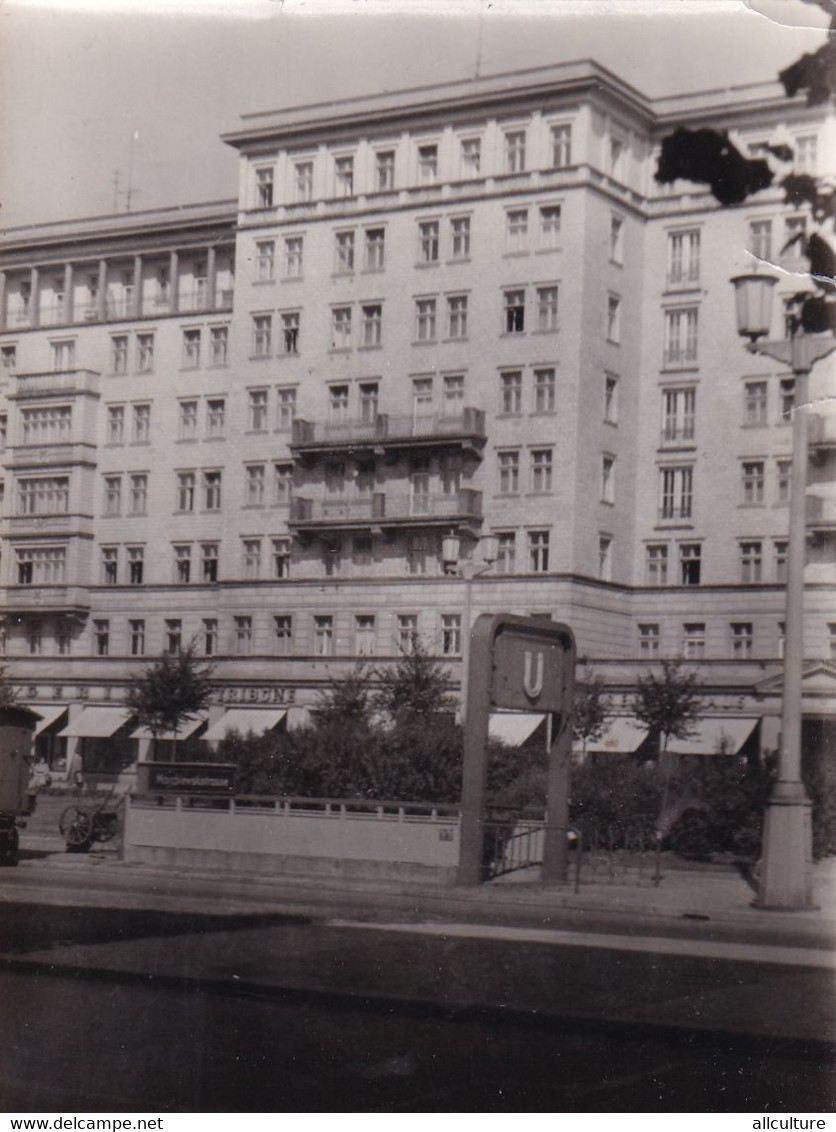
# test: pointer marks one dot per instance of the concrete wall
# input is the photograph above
(280, 838)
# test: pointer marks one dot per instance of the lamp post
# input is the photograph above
(786, 880)
(467, 570)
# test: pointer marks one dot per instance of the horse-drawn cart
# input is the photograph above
(96, 820)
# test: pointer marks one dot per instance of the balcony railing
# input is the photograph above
(385, 430)
(821, 514)
(32, 455)
(44, 598)
(60, 382)
(385, 508)
(821, 430)
(678, 434)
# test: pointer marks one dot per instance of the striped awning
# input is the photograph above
(719, 736)
(187, 728)
(243, 720)
(49, 713)
(96, 723)
(513, 727)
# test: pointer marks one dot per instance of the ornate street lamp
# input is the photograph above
(467, 570)
(786, 878)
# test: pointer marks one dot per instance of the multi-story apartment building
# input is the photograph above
(465, 310)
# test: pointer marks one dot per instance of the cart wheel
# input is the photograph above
(76, 826)
(9, 849)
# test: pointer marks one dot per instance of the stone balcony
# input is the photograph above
(61, 599)
(55, 383)
(385, 432)
(387, 509)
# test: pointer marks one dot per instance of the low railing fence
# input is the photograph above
(286, 806)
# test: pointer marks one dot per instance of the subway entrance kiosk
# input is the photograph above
(526, 665)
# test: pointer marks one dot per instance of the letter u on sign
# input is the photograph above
(533, 674)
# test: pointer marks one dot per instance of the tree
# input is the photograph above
(668, 704)
(709, 157)
(172, 690)
(415, 686)
(590, 708)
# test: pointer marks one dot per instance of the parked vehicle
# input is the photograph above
(17, 801)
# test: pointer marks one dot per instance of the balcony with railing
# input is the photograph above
(386, 509)
(465, 429)
(63, 383)
(59, 598)
(39, 455)
(821, 435)
(821, 514)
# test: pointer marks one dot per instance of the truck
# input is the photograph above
(17, 728)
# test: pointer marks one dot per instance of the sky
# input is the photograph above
(145, 87)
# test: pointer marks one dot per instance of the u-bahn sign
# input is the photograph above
(526, 665)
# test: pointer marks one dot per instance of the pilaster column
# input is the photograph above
(137, 304)
(67, 312)
(34, 298)
(102, 296)
(211, 278)
(173, 280)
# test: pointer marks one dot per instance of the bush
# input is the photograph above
(615, 792)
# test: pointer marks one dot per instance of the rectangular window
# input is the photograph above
(210, 636)
(212, 491)
(187, 424)
(754, 403)
(8, 357)
(546, 308)
(516, 230)
(453, 394)
(676, 492)
(361, 550)
(44, 495)
(649, 641)
(787, 398)
(209, 553)
(110, 565)
(257, 417)
(136, 630)
(281, 558)
(427, 164)
(264, 187)
(407, 632)
(384, 170)
(185, 491)
(338, 404)
(113, 495)
(419, 497)
(145, 353)
(506, 561)
(806, 154)
(541, 470)
(690, 563)
(183, 564)
(119, 353)
(425, 320)
(303, 182)
(344, 252)
(616, 158)
(141, 424)
(610, 398)
(741, 636)
(251, 558)
(514, 306)
(283, 634)
(262, 335)
(286, 408)
(282, 484)
(173, 635)
(784, 480)
(254, 485)
(364, 635)
(341, 328)
(63, 355)
(48, 425)
(219, 345)
(616, 240)
(753, 480)
(101, 637)
(323, 636)
(371, 326)
(375, 248)
(243, 636)
(457, 316)
(460, 237)
(191, 349)
(515, 151)
(290, 332)
(510, 386)
(265, 261)
(34, 638)
(41, 566)
(293, 251)
(605, 558)
(344, 176)
(781, 547)
(751, 562)
(684, 257)
(608, 479)
(561, 138)
(451, 634)
(760, 239)
(538, 552)
(369, 394)
(681, 337)
(550, 226)
(471, 157)
(656, 564)
(613, 318)
(428, 241)
(136, 565)
(693, 640)
(678, 414)
(115, 424)
(215, 417)
(139, 493)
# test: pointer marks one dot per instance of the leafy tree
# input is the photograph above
(590, 708)
(415, 686)
(668, 704)
(710, 157)
(172, 690)
(347, 699)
